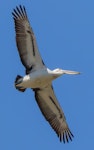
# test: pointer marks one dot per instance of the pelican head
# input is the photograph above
(61, 72)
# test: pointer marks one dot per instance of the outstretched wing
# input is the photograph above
(53, 113)
(26, 42)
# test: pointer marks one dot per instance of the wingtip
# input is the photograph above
(19, 12)
(66, 136)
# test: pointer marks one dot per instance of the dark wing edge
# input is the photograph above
(53, 113)
(19, 12)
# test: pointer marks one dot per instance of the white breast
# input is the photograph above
(37, 79)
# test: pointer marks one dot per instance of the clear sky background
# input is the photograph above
(65, 35)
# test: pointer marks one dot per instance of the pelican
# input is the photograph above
(38, 77)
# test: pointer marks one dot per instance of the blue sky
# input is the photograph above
(65, 35)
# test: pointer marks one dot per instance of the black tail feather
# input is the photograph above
(21, 89)
(18, 80)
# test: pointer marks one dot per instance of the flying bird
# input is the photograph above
(38, 77)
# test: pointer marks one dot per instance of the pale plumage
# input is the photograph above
(38, 77)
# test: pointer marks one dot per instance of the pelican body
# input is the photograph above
(38, 77)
